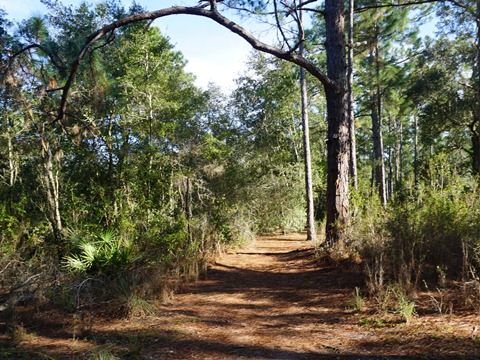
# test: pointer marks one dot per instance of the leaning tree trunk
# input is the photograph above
(338, 139)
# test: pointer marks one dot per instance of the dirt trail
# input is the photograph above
(266, 301)
(269, 301)
(272, 300)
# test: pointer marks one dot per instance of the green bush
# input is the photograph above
(434, 226)
(106, 254)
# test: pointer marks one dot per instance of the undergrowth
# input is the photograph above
(429, 234)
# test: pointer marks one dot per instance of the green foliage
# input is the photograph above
(356, 300)
(405, 306)
(266, 163)
(433, 227)
(105, 254)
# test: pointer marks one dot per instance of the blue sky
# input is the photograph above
(214, 54)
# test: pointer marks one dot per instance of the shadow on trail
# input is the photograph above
(175, 346)
(256, 311)
(309, 287)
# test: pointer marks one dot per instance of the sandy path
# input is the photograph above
(272, 300)
(269, 301)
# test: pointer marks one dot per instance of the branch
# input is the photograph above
(197, 11)
(302, 7)
(55, 61)
(408, 3)
(277, 19)
(318, 11)
(307, 2)
(463, 6)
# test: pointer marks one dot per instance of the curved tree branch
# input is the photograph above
(58, 63)
(197, 11)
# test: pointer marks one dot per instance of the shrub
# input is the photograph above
(104, 254)
(434, 226)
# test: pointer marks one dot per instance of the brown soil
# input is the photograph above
(271, 300)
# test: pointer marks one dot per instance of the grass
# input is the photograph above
(186, 320)
(356, 301)
(103, 354)
(405, 306)
(20, 354)
(18, 335)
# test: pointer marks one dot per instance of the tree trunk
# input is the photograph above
(391, 159)
(476, 149)
(338, 139)
(311, 232)
(476, 81)
(415, 149)
(351, 99)
(376, 114)
(188, 207)
(51, 185)
(12, 164)
(398, 152)
(378, 163)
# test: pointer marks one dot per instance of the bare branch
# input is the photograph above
(302, 4)
(197, 11)
(413, 3)
(318, 11)
(408, 3)
(279, 26)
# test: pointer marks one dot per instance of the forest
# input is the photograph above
(121, 179)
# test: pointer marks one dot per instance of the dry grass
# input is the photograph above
(271, 300)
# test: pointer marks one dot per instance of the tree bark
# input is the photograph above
(415, 149)
(378, 163)
(398, 151)
(338, 139)
(12, 164)
(476, 149)
(52, 189)
(391, 161)
(476, 74)
(311, 232)
(376, 115)
(351, 99)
